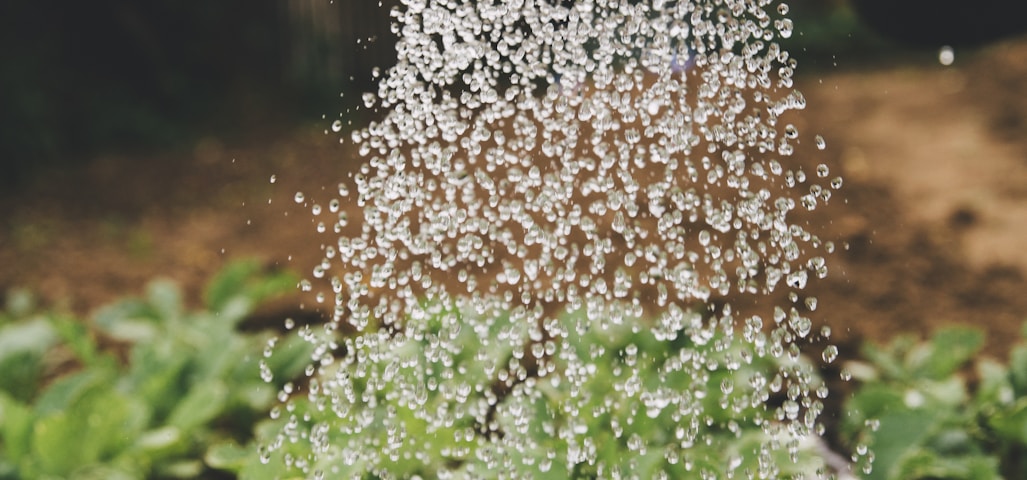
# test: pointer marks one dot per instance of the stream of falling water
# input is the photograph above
(576, 218)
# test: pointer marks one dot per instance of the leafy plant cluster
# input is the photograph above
(72, 407)
(936, 410)
(149, 389)
(404, 430)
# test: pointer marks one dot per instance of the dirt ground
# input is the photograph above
(933, 210)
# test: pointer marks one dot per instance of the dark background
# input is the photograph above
(80, 78)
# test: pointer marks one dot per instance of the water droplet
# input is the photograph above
(274, 178)
(823, 170)
(811, 303)
(298, 197)
(830, 353)
(784, 27)
(546, 155)
(265, 372)
(946, 55)
(369, 99)
(821, 143)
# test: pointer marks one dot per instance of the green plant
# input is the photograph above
(924, 413)
(675, 408)
(191, 380)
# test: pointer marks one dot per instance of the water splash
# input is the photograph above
(574, 215)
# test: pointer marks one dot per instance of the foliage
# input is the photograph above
(535, 433)
(148, 389)
(930, 411)
(191, 379)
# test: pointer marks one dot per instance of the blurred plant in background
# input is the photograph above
(934, 410)
(143, 389)
(147, 389)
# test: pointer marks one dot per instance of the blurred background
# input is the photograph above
(140, 139)
(115, 75)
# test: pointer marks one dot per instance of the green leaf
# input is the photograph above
(105, 472)
(181, 469)
(16, 420)
(949, 392)
(256, 395)
(1018, 369)
(128, 314)
(1011, 424)
(925, 464)
(69, 389)
(240, 286)
(228, 456)
(900, 433)
(290, 357)
(21, 374)
(166, 299)
(160, 442)
(60, 443)
(229, 283)
(995, 386)
(77, 336)
(156, 375)
(129, 329)
(204, 402)
(36, 336)
(870, 402)
(890, 360)
(89, 422)
(950, 349)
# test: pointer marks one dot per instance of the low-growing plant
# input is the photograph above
(191, 379)
(929, 410)
(421, 420)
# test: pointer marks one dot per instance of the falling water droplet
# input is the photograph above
(830, 353)
(369, 99)
(946, 55)
(564, 200)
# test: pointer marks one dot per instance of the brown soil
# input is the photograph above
(933, 209)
